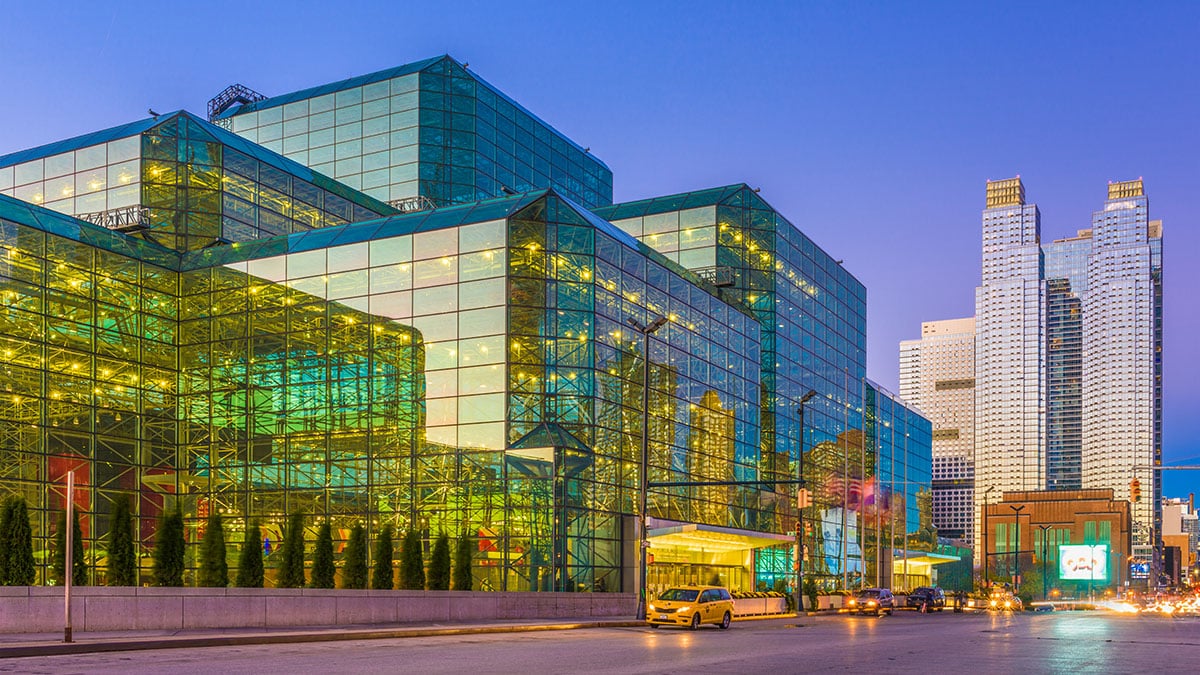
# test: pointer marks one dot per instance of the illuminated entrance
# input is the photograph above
(911, 569)
(690, 553)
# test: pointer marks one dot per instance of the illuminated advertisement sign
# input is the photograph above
(1083, 562)
(1139, 569)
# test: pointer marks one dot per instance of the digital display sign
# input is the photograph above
(1083, 562)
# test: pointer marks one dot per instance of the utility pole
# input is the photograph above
(801, 490)
(644, 470)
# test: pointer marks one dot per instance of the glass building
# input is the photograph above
(181, 182)
(427, 133)
(201, 316)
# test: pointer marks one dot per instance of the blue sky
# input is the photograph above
(872, 126)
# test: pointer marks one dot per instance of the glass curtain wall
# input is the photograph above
(430, 129)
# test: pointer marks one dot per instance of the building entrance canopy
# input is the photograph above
(709, 538)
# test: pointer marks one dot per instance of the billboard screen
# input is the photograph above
(1083, 562)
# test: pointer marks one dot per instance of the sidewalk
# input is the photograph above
(13, 645)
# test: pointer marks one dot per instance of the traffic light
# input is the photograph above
(1135, 490)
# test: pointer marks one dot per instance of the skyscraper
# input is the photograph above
(1122, 347)
(1010, 363)
(937, 374)
(1068, 351)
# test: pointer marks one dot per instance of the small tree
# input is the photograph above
(214, 567)
(291, 571)
(122, 562)
(381, 575)
(412, 565)
(6, 508)
(17, 539)
(462, 564)
(169, 548)
(354, 573)
(439, 564)
(59, 561)
(250, 559)
(323, 569)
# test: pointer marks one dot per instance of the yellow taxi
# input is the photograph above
(691, 606)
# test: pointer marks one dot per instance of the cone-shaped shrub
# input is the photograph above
(122, 563)
(214, 566)
(381, 574)
(439, 564)
(462, 563)
(323, 570)
(17, 539)
(250, 559)
(354, 573)
(412, 565)
(168, 549)
(6, 508)
(291, 570)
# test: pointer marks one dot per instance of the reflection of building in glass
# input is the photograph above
(236, 332)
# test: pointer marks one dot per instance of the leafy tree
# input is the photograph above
(17, 540)
(169, 549)
(323, 569)
(462, 564)
(811, 592)
(250, 559)
(412, 565)
(214, 567)
(59, 561)
(291, 571)
(381, 575)
(354, 574)
(122, 561)
(439, 564)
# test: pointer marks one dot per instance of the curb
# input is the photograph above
(136, 644)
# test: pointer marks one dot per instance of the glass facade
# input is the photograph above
(1066, 285)
(813, 317)
(430, 130)
(182, 183)
(467, 369)
(227, 329)
(896, 513)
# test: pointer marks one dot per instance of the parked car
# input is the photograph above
(873, 601)
(930, 596)
(691, 606)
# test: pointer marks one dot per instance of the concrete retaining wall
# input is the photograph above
(38, 609)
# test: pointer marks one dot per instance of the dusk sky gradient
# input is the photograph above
(871, 126)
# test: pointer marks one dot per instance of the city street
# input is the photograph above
(906, 642)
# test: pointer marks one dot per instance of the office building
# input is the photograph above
(937, 374)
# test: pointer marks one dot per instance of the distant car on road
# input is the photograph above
(930, 596)
(1005, 601)
(873, 601)
(691, 606)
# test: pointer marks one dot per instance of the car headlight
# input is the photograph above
(993, 603)
(650, 608)
(683, 609)
(1007, 604)
(853, 602)
(870, 603)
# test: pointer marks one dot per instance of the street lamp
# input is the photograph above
(1045, 554)
(643, 472)
(1017, 552)
(984, 581)
(799, 593)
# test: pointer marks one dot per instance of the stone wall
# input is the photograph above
(38, 609)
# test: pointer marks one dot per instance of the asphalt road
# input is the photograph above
(1075, 642)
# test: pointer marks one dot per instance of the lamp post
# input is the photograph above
(984, 581)
(644, 464)
(800, 506)
(1045, 554)
(1017, 553)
